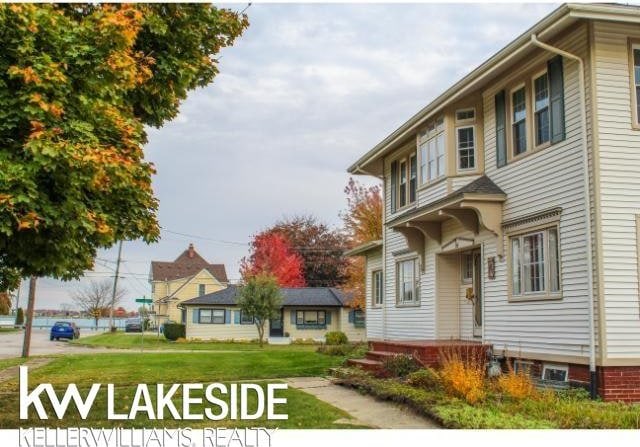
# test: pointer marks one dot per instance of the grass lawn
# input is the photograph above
(126, 370)
(8, 363)
(8, 330)
(134, 341)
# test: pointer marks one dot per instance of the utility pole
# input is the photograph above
(115, 286)
(26, 344)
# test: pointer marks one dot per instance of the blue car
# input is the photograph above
(64, 329)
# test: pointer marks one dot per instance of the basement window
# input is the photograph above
(556, 373)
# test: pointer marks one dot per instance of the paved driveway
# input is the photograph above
(11, 344)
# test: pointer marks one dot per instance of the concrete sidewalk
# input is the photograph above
(364, 409)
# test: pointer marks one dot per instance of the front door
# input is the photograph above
(275, 326)
(477, 293)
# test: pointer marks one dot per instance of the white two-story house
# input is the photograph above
(512, 206)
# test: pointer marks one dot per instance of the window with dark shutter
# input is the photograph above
(393, 188)
(501, 135)
(556, 99)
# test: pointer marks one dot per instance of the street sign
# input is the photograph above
(144, 300)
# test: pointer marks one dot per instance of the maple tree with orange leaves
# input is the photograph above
(78, 85)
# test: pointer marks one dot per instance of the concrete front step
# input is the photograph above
(366, 364)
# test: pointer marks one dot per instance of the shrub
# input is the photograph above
(174, 331)
(463, 373)
(19, 317)
(426, 378)
(516, 385)
(336, 338)
(304, 341)
(400, 365)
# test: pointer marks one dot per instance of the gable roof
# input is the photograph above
(561, 18)
(298, 296)
(189, 263)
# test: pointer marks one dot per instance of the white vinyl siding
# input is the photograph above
(374, 313)
(537, 182)
(619, 186)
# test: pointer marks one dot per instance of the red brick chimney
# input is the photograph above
(192, 251)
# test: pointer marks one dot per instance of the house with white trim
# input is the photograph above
(512, 207)
(173, 282)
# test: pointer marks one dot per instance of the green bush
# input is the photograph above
(426, 378)
(336, 338)
(19, 317)
(174, 331)
(400, 365)
(337, 350)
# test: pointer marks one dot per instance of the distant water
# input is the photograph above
(85, 323)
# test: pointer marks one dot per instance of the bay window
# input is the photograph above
(535, 264)
(432, 152)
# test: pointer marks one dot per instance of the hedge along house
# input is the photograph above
(512, 206)
(306, 313)
(188, 276)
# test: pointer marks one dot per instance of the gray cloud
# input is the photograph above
(301, 95)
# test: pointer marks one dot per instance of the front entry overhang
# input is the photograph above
(476, 206)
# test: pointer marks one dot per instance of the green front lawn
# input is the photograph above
(8, 330)
(126, 370)
(8, 363)
(121, 340)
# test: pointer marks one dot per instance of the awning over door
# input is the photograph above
(476, 206)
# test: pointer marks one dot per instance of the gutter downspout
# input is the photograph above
(593, 388)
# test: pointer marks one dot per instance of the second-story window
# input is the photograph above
(403, 184)
(432, 152)
(466, 148)
(519, 116)
(413, 178)
(541, 109)
(636, 81)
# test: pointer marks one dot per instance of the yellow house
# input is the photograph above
(189, 276)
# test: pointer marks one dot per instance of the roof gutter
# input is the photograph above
(587, 203)
(460, 88)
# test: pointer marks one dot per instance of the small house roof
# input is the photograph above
(291, 296)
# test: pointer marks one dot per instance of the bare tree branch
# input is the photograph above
(95, 297)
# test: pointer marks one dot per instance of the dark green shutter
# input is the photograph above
(196, 315)
(352, 316)
(293, 316)
(501, 130)
(327, 317)
(556, 99)
(394, 181)
(227, 317)
(236, 316)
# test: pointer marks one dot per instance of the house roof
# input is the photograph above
(365, 248)
(298, 296)
(482, 186)
(187, 264)
(561, 18)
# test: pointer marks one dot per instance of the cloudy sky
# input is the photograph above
(303, 93)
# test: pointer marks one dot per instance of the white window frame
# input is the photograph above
(211, 318)
(512, 121)
(547, 366)
(245, 318)
(513, 263)
(378, 300)
(534, 122)
(466, 120)
(415, 290)
(436, 129)
(475, 153)
(310, 312)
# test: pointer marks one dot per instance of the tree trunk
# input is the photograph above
(260, 333)
(26, 345)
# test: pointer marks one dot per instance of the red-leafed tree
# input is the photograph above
(271, 253)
